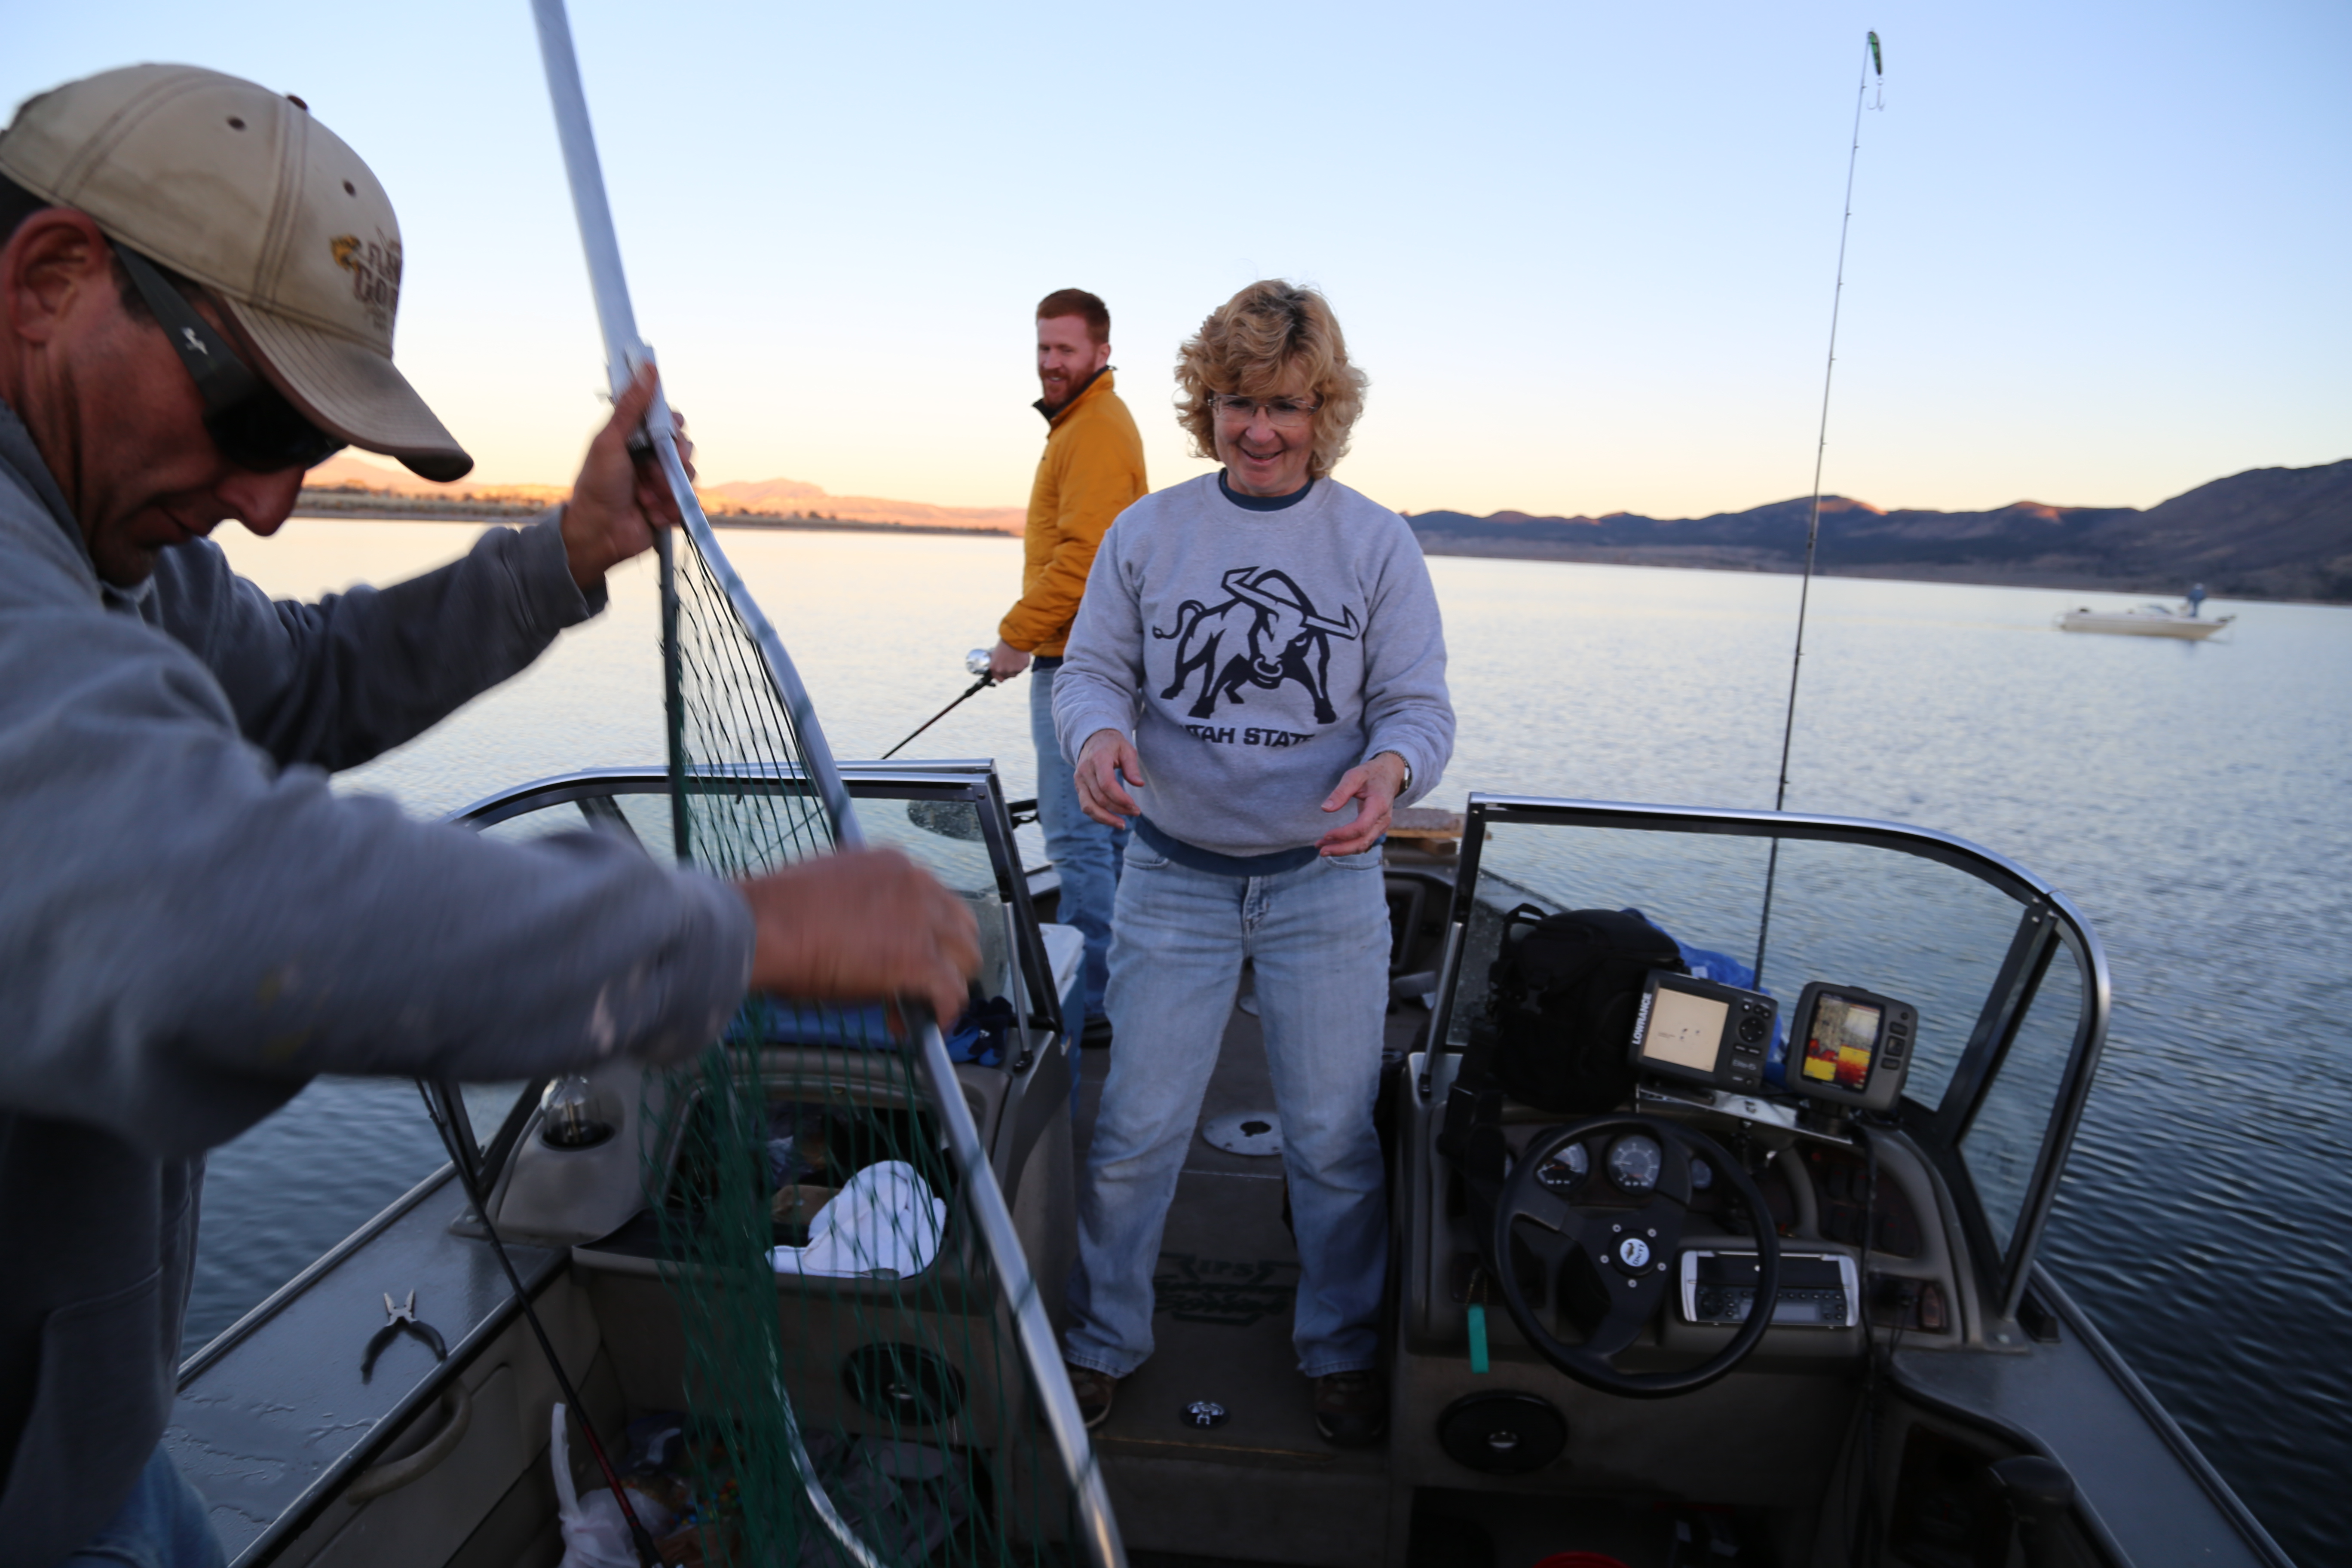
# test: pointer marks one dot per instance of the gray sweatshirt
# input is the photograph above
(192, 925)
(1255, 656)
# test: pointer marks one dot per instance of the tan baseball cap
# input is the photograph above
(237, 188)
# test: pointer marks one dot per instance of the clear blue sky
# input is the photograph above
(2100, 252)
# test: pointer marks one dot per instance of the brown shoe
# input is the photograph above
(1094, 1391)
(1351, 1408)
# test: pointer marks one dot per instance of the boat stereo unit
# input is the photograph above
(1851, 1047)
(1696, 1031)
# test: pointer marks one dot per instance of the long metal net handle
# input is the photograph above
(1039, 1347)
(624, 352)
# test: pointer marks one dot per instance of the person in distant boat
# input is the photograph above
(1091, 471)
(197, 286)
(1256, 678)
(2196, 599)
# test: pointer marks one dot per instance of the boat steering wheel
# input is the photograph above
(1616, 1258)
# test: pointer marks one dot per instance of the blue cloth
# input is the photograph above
(977, 1036)
(773, 1021)
(1086, 854)
(1319, 939)
(163, 1525)
(980, 1034)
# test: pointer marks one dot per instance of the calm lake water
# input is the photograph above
(2191, 798)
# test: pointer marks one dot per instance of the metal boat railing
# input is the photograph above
(2047, 922)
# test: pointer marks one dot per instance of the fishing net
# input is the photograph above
(848, 1347)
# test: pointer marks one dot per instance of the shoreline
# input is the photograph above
(1703, 558)
(1686, 558)
(507, 512)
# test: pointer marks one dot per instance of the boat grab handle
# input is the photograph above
(457, 1416)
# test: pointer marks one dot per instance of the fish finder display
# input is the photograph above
(1841, 1040)
(1851, 1047)
(1686, 1030)
(1698, 1032)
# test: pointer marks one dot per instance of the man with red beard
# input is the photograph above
(1092, 471)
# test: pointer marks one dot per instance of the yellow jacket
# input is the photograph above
(1092, 471)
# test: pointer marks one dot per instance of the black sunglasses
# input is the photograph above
(248, 419)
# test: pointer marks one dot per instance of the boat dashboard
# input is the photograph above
(1683, 1281)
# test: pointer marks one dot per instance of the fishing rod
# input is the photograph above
(975, 663)
(1873, 63)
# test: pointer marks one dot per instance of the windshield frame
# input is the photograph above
(2047, 920)
(593, 792)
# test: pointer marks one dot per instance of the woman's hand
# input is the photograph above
(1106, 764)
(1377, 783)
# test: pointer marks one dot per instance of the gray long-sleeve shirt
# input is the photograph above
(1255, 656)
(192, 924)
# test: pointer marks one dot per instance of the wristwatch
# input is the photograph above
(1406, 788)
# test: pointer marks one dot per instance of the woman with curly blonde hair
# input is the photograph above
(1266, 336)
(1256, 678)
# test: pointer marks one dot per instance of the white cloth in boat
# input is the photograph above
(885, 1221)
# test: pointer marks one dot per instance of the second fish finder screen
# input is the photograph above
(1841, 1042)
(1685, 1031)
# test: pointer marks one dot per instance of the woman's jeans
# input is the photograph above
(1086, 854)
(1319, 939)
(163, 1525)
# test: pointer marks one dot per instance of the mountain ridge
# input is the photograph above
(349, 486)
(2275, 533)
(2272, 532)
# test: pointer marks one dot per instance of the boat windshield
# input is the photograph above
(2008, 982)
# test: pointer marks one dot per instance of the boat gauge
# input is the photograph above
(1701, 1175)
(1634, 1162)
(1564, 1169)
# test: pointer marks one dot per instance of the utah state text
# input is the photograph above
(1228, 736)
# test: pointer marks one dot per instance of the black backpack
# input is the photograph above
(1561, 999)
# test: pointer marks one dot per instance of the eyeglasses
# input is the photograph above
(1282, 412)
(248, 419)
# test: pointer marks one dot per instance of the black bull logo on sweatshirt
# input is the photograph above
(1267, 632)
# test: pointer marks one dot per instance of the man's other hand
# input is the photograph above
(861, 926)
(1006, 661)
(1107, 765)
(1376, 784)
(621, 496)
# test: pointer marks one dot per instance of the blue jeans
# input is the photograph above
(163, 1525)
(1084, 853)
(1319, 939)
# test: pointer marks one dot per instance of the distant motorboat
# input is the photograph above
(2145, 621)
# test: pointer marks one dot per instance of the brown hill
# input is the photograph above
(347, 485)
(2265, 533)
(793, 499)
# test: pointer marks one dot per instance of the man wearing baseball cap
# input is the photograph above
(197, 290)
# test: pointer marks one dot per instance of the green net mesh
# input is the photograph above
(875, 1355)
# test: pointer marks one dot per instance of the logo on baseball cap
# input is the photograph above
(238, 189)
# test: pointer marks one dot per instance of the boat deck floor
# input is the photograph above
(1227, 1273)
